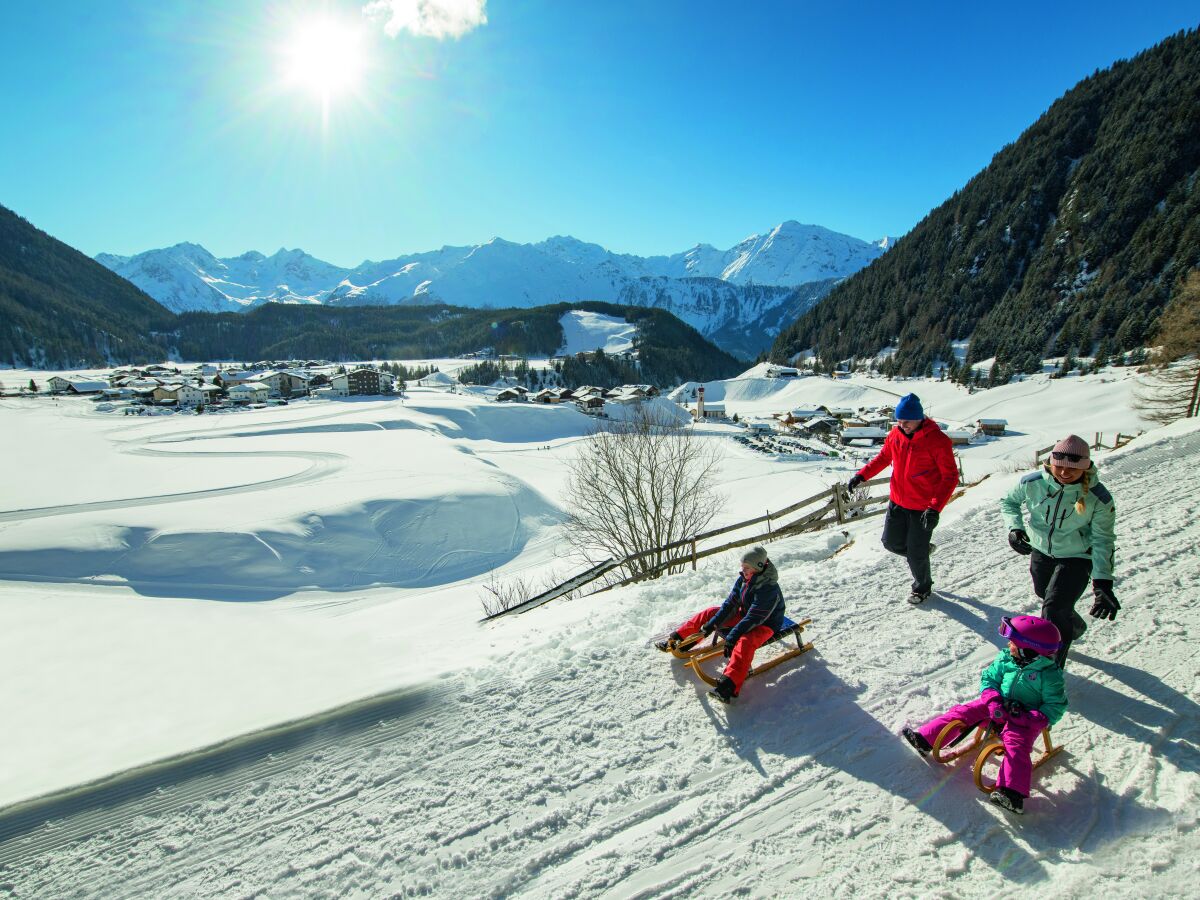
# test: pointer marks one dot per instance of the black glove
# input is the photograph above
(855, 481)
(1106, 604)
(1019, 541)
(929, 519)
(708, 628)
(728, 650)
(1015, 708)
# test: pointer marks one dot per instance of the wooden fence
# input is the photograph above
(832, 506)
(1097, 444)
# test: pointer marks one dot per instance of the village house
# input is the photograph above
(248, 392)
(958, 437)
(992, 427)
(591, 404)
(75, 385)
(822, 425)
(868, 435)
(514, 394)
(361, 382)
(802, 414)
(227, 377)
(782, 372)
(291, 383)
(178, 394)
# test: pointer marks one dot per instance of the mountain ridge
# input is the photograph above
(501, 273)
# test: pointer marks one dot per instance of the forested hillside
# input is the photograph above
(1071, 241)
(60, 308)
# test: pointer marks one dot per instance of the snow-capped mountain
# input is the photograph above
(706, 287)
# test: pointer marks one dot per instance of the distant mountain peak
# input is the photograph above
(501, 273)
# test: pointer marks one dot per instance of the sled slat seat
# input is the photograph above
(689, 650)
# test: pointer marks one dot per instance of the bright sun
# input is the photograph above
(325, 57)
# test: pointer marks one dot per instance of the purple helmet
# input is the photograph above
(1032, 633)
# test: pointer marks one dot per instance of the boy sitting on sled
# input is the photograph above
(750, 616)
(1022, 695)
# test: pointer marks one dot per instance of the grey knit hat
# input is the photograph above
(756, 556)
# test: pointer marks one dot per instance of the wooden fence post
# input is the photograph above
(962, 478)
(1096, 445)
(837, 503)
(693, 553)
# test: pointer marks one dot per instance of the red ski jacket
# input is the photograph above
(923, 470)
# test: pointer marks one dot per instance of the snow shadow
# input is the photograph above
(409, 543)
(811, 713)
(111, 802)
(1166, 719)
(970, 612)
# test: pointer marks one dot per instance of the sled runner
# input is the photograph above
(689, 649)
(946, 751)
(995, 748)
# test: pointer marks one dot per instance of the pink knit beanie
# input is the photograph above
(1075, 446)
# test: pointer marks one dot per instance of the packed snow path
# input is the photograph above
(590, 765)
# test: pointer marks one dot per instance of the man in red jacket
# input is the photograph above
(923, 478)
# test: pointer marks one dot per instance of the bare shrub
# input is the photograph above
(637, 486)
(499, 596)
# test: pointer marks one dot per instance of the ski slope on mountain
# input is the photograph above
(586, 764)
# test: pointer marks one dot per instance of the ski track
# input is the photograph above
(636, 786)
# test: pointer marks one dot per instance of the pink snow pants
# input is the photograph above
(1016, 767)
(743, 651)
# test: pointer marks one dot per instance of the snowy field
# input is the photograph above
(171, 583)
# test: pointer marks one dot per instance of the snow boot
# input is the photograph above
(723, 690)
(1007, 798)
(915, 738)
(668, 644)
(918, 597)
(1078, 625)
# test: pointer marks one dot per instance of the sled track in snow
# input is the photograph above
(34, 827)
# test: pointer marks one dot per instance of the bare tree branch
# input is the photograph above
(638, 485)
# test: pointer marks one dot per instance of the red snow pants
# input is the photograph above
(1018, 737)
(743, 651)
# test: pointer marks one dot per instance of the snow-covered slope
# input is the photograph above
(585, 331)
(561, 756)
(744, 288)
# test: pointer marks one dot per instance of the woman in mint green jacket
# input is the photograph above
(1069, 538)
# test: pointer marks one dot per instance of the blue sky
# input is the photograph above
(644, 126)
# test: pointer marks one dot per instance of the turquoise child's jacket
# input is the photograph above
(1055, 528)
(1039, 685)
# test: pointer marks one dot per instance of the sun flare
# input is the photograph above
(325, 57)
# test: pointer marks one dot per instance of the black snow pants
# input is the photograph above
(1059, 583)
(904, 534)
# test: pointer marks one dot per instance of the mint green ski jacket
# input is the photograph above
(1038, 685)
(1055, 528)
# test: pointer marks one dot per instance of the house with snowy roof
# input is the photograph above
(869, 434)
(75, 385)
(247, 392)
(179, 393)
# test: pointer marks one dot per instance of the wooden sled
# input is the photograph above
(946, 751)
(696, 657)
(995, 748)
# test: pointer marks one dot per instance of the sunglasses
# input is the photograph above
(1069, 457)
